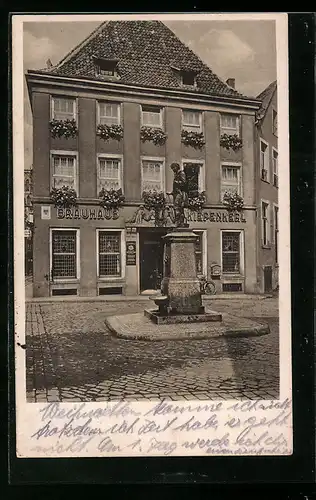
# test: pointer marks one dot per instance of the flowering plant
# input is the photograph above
(233, 201)
(156, 135)
(107, 132)
(156, 201)
(63, 128)
(194, 139)
(64, 197)
(111, 198)
(197, 201)
(233, 142)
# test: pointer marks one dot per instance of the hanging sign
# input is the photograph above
(131, 253)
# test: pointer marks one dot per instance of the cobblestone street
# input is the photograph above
(71, 356)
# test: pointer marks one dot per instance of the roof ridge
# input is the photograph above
(272, 84)
(80, 45)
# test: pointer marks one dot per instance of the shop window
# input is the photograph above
(110, 291)
(64, 170)
(275, 167)
(109, 172)
(230, 179)
(109, 253)
(231, 252)
(65, 291)
(64, 254)
(264, 160)
(109, 113)
(63, 108)
(191, 120)
(229, 124)
(151, 116)
(232, 287)
(152, 175)
(265, 223)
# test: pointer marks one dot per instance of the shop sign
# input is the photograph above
(142, 215)
(88, 213)
(131, 253)
(210, 216)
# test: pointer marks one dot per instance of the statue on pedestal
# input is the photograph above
(180, 195)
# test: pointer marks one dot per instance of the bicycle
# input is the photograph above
(207, 287)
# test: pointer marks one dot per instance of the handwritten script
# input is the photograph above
(160, 428)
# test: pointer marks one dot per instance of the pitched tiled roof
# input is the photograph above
(148, 53)
(265, 96)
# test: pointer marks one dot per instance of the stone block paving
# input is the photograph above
(71, 356)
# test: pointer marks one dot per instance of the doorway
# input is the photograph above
(267, 279)
(151, 247)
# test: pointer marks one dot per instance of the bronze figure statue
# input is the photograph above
(180, 195)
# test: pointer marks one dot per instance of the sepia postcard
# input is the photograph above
(151, 235)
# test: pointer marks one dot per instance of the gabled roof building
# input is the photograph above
(111, 117)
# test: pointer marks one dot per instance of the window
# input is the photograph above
(109, 113)
(264, 160)
(276, 233)
(152, 175)
(188, 78)
(231, 250)
(109, 254)
(275, 167)
(106, 67)
(27, 185)
(151, 116)
(265, 223)
(63, 108)
(64, 170)
(192, 121)
(230, 180)
(274, 122)
(109, 172)
(229, 124)
(64, 254)
(194, 174)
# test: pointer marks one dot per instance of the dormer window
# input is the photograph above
(106, 67)
(188, 78)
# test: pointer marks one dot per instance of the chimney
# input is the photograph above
(49, 63)
(231, 82)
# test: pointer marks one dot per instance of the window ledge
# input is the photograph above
(266, 247)
(228, 276)
(61, 281)
(111, 278)
(266, 182)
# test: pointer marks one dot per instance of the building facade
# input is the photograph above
(135, 99)
(267, 190)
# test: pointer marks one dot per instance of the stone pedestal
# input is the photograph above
(180, 283)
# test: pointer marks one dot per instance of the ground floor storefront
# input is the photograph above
(90, 251)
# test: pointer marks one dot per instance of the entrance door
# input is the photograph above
(267, 278)
(151, 259)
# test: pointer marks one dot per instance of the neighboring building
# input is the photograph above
(28, 220)
(267, 189)
(135, 74)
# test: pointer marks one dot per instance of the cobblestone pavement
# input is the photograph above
(71, 356)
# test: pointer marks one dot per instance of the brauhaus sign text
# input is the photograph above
(142, 216)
